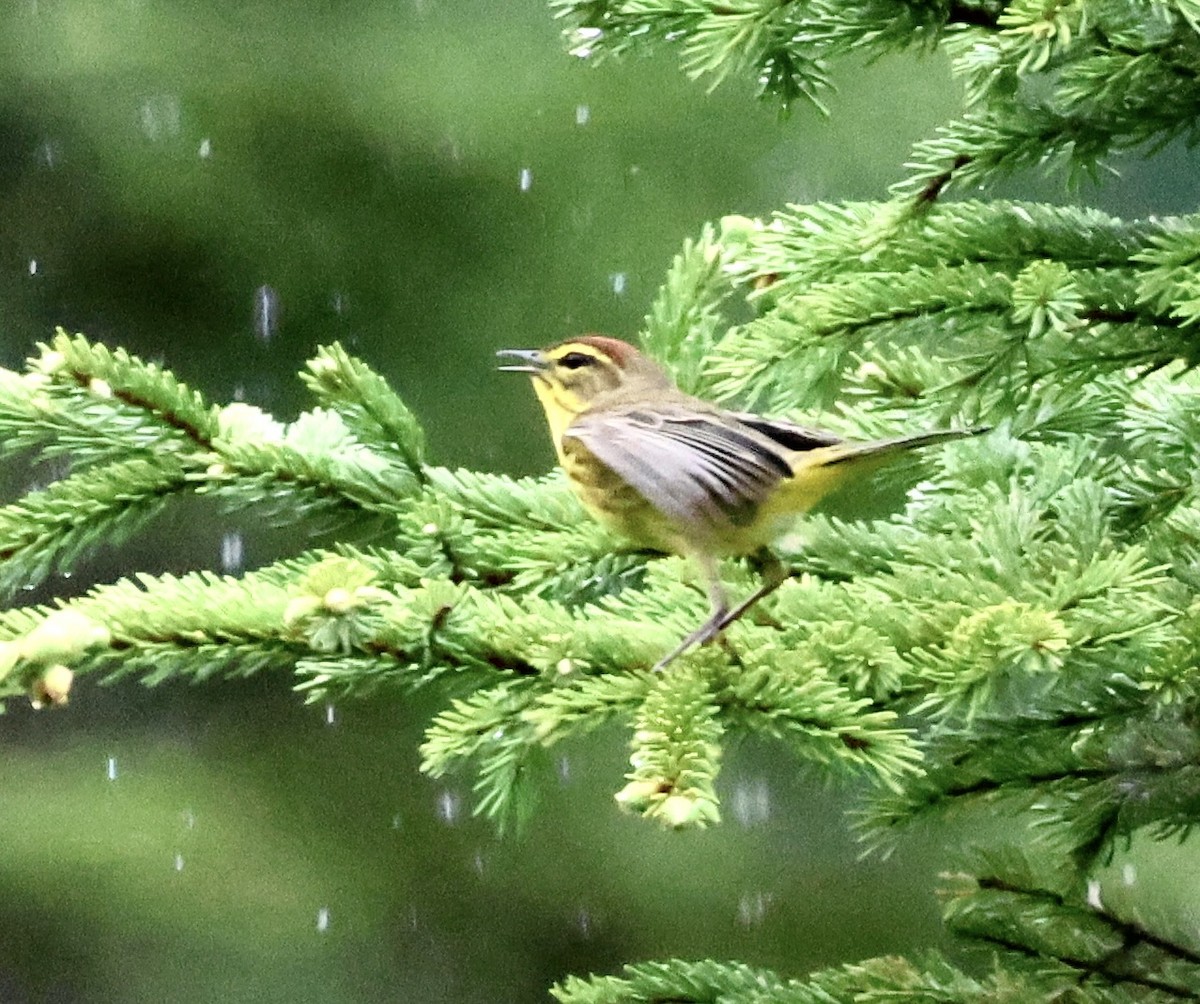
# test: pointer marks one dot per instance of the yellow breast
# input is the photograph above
(614, 502)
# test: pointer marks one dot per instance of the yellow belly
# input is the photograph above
(617, 505)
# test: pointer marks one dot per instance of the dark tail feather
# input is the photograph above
(882, 447)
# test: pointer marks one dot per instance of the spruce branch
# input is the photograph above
(676, 980)
(372, 411)
(1102, 949)
(676, 751)
(1045, 83)
(1017, 641)
(1008, 298)
(1019, 637)
(1051, 945)
(487, 727)
(135, 437)
(142, 386)
(787, 695)
(932, 980)
(49, 529)
(682, 323)
(717, 39)
(82, 400)
(1088, 781)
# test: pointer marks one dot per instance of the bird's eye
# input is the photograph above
(575, 360)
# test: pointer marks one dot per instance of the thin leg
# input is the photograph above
(720, 616)
(773, 574)
(718, 612)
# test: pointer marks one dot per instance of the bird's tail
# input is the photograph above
(881, 448)
(818, 472)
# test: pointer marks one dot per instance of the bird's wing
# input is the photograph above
(789, 435)
(694, 466)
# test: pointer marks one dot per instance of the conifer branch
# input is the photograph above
(372, 411)
(683, 321)
(498, 579)
(1011, 297)
(1019, 638)
(1020, 635)
(1045, 82)
(1043, 925)
(51, 528)
(1050, 945)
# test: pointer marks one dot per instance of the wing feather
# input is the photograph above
(789, 435)
(693, 466)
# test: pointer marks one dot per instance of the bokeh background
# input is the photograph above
(223, 186)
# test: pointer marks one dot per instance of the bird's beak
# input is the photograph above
(529, 360)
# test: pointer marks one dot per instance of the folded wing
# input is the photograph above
(710, 468)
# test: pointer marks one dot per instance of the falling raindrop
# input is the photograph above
(233, 550)
(752, 908)
(397, 822)
(582, 39)
(266, 313)
(1093, 894)
(582, 114)
(478, 862)
(189, 819)
(1129, 873)
(33, 266)
(564, 769)
(48, 154)
(525, 179)
(179, 862)
(583, 921)
(111, 769)
(618, 280)
(330, 715)
(205, 150)
(340, 303)
(750, 801)
(448, 807)
(160, 116)
(323, 919)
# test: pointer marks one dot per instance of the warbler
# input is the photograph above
(674, 473)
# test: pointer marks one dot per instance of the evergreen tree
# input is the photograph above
(1018, 642)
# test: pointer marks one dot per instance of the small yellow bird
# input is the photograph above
(675, 473)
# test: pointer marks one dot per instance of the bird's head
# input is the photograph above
(571, 376)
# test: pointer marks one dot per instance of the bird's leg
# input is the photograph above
(717, 616)
(720, 616)
(773, 574)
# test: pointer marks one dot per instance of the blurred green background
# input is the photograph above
(223, 186)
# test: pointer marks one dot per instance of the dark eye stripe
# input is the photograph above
(576, 360)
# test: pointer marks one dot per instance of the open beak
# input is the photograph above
(528, 360)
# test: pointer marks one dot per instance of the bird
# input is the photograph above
(674, 473)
